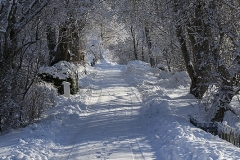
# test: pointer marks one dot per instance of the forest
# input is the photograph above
(201, 37)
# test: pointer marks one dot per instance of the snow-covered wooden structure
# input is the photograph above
(223, 130)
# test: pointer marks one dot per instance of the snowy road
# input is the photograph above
(112, 128)
(111, 119)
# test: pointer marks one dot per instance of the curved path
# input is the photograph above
(113, 128)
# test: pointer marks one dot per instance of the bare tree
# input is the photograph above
(20, 56)
(204, 34)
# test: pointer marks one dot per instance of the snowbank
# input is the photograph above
(60, 70)
(166, 106)
(141, 72)
(139, 68)
(42, 140)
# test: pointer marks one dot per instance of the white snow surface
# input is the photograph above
(60, 70)
(121, 113)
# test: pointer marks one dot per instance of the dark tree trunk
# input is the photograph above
(197, 88)
(63, 48)
(52, 43)
(77, 48)
(149, 45)
(143, 47)
(200, 71)
(134, 43)
(221, 101)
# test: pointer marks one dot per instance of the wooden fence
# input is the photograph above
(223, 130)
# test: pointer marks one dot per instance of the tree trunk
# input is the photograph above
(134, 43)
(63, 48)
(77, 44)
(143, 47)
(196, 88)
(221, 101)
(149, 45)
(52, 43)
(226, 92)
(199, 72)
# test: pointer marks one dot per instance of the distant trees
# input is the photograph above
(147, 30)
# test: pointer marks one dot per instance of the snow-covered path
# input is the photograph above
(112, 128)
(120, 113)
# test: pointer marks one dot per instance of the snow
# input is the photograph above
(60, 70)
(121, 112)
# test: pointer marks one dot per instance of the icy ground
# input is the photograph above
(121, 113)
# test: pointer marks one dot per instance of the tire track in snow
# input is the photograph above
(108, 131)
(136, 149)
(87, 102)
